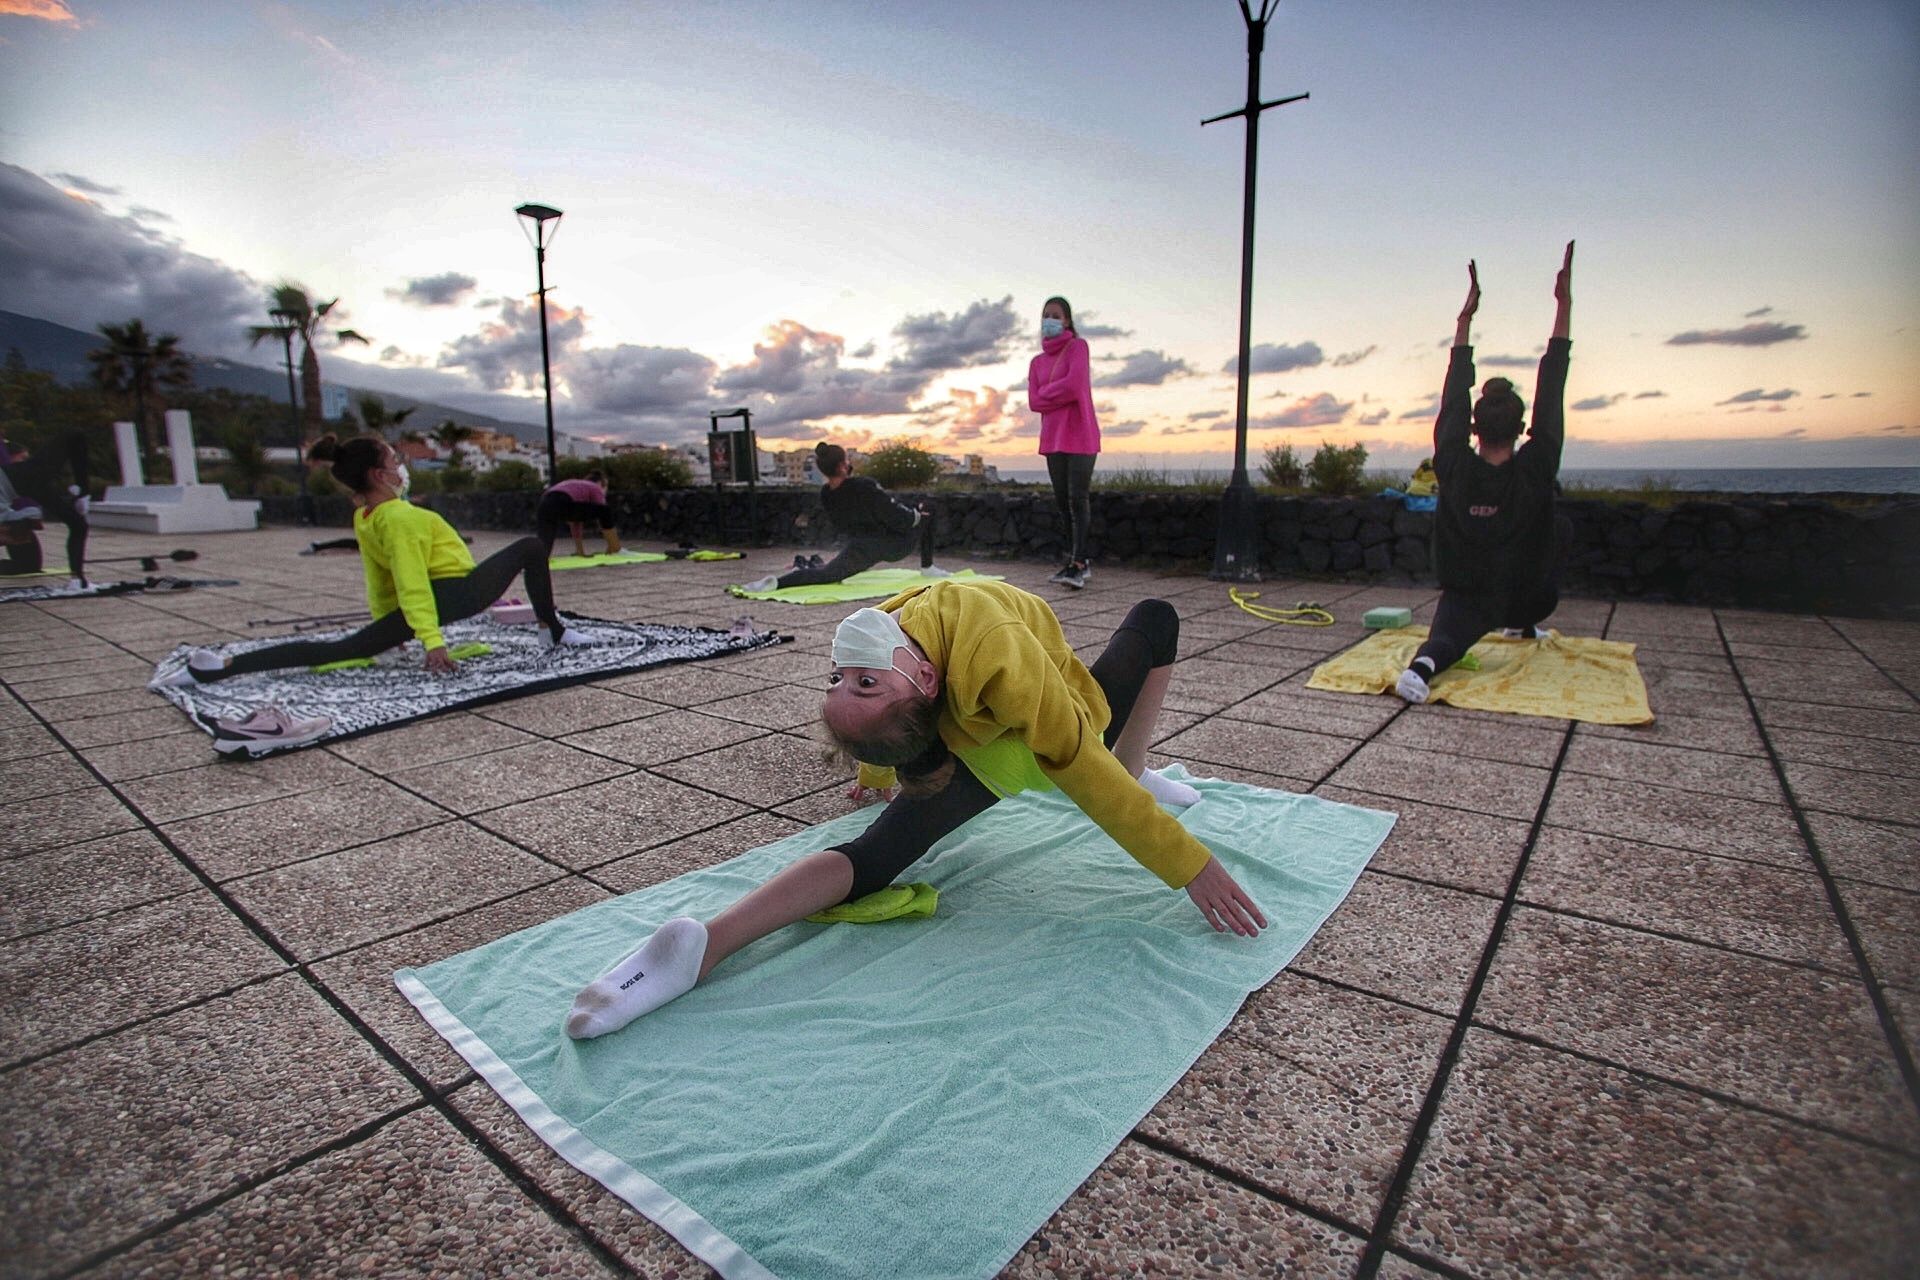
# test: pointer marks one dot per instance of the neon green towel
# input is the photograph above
(895, 902)
(458, 653)
(603, 560)
(714, 555)
(871, 584)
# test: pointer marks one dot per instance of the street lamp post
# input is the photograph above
(1236, 555)
(537, 216)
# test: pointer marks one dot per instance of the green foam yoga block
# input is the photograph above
(1384, 618)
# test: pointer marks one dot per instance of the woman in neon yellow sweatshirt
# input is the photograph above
(971, 692)
(419, 574)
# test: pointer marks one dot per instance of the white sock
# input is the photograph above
(1411, 686)
(769, 583)
(1166, 790)
(662, 968)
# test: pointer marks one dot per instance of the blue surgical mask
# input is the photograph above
(1052, 328)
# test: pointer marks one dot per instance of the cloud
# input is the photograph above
(54, 11)
(442, 290)
(1861, 395)
(1592, 403)
(393, 355)
(1750, 397)
(68, 261)
(1373, 419)
(640, 381)
(1507, 362)
(1132, 427)
(1762, 334)
(969, 414)
(1346, 358)
(140, 213)
(937, 342)
(1650, 395)
(1206, 415)
(1308, 411)
(1757, 312)
(506, 351)
(1084, 326)
(1428, 410)
(86, 186)
(1145, 369)
(795, 377)
(1270, 357)
(863, 352)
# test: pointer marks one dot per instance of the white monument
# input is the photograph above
(185, 506)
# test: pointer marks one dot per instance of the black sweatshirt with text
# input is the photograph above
(860, 508)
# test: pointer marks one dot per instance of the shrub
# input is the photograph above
(455, 479)
(901, 466)
(577, 468)
(321, 484)
(423, 481)
(511, 476)
(644, 469)
(1336, 471)
(1282, 467)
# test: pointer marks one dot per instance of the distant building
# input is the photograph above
(333, 401)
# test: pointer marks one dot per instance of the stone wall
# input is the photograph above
(1765, 551)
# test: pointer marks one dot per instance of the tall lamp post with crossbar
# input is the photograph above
(541, 223)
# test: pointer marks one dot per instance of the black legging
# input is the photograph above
(1462, 617)
(1147, 639)
(556, 509)
(862, 553)
(453, 598)
(26, 557)
(1072, 476)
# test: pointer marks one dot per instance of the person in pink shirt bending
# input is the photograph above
(1060, 390)
(573, 503)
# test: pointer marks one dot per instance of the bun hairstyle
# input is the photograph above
(1065, 306)
(353, 462)
(829, 458)
(1498, 415)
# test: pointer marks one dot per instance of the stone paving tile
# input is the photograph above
(76, 981)
(118, 1137)
(1693, 733)
(1650, 657)
(1751, 626)
(1231, 773)
(1202, 684)
(25, 741)
(1888, 921)
(1440, 729)
(785, 665)
(449, 737)
(256, 837)
(1453, 847)
(1142, 1213)
(1439, 778)
(1677, 819)
(1722, 901)
(1857, 722)
(608, 820)
(229, 784)
(763, 771)
(363, 977)
(1874, 796)
(506, 777)
(1748, 777)
(1842, 751)
(701, 849)
(1850, 683)
(1669, 699)
(633, 1238)
(689, 685)
(558, 712)
(1286, 752)
(661, 738)
(1543, 1164)
(782, 707)
(145, 757)
(89, 706)
(1290, 706)
(328, 903)
(414, 1199)
(1407, 941)
(1904, 1002)
(1312, 1093)
(44, 695)
(1797, 1040)
(82, 881)
(1870, 851)
(46, 775)
(823, 805)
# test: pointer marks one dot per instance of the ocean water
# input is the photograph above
(1905, 480)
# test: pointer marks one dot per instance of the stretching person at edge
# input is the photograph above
(1495, 532)
(878, 527)
(419, 574)
(971, 692)
(574, 503)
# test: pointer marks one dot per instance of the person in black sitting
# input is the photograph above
(1495, 533)
(58, 485)
(879, 527)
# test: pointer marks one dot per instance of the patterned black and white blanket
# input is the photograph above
(397, 689)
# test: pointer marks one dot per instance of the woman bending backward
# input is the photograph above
(970, 692)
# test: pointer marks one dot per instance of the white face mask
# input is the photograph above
(868, 639)
(1052, 328)
(406, 481)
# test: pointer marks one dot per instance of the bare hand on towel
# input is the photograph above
(440, 662)
(1223, 902)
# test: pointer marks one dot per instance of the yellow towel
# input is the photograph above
(1569, 678)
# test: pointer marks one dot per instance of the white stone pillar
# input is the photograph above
(186, 464)
(127, 442)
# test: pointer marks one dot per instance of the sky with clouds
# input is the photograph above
(846, 214)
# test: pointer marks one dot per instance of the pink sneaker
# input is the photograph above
(267, 730)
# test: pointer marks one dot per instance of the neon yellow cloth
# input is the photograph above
(895, 902)
(869, 584)
(403, 548)
(715, 555)
(1425, 482)
(1568, 678)
(458, 653)
(603, 559)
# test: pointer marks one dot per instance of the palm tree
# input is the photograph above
(379, 419)
(450, 435)
(291, 308)
(137, 363)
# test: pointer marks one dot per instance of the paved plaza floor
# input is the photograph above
(1621, 1002)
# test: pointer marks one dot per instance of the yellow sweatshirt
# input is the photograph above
(1007, 669)
(403, 548)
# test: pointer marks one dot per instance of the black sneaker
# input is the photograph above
(1061, 574)
(815, 562)
(1075, 576)
(799, 562)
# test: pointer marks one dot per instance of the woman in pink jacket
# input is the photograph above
(1060, 390)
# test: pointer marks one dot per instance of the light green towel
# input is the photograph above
(603, 560)
(895, 902)
(869, 584)
(459, 653)
(892, 1102)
